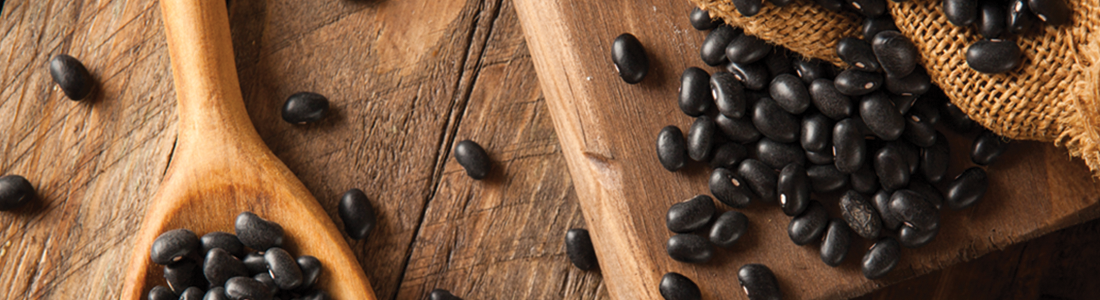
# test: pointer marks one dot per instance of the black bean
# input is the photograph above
(833, 5)
(754, 76)
(958, 119)
(728, 228)
(729, 94)
(991, 19)
(758, 282)
(776, 154)
(820, 158)
(174, 245)
(910, 152)
(15, 191)
(857, 53)
(713, 49)
(760, 178)
(629, 57)
(993, 56)
(912, 208)
(1053, 12)
(254, 262)
(836, 242)
(746, 49)
(810, 70)
(268, 282)
(678, 287)
(71, 76)
(891, 168)
(671, 148)
(241, 288)
(860, 215)
(219, 266)
(881, 117)
(869, 8)
(919, 132)
(161, 292)
(853, 82)
(1018, 18)
(903, 103)
(967, 188)
(817, 132)
(311, 269)
(730, 188)
(690, 248)
(690, 215)
(356, 212)
(962, 13)
(910, 237)
(701, 20)
(181, 275)
(881, 258)
(191, 293)
(314, 295)
(305, 107)
(215, 293)
(896, 54)
(808, 226)
(794, 189)
(738, 130)
(829, 100)
(441, 294)
(748, 8)
(790, 93)
(849, 148)
(774, 122)
(872, 26)
(257, 233)
(930, 193)
(700, 139)
(283, 268)
(881, 201)
(916, 83)
(826, 178)
(934, 160)
(224, 240)
(695, 98)
(988, 146)
(778, 62)
(864, 180)
(473, 158)
(728, 155)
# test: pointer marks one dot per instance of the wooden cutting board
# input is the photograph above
(608, 130)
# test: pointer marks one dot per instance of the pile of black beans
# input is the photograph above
(221, 265)
(779, 129)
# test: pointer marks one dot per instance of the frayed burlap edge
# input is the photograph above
(1081, 134)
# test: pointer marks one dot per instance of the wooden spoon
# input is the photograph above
(221, 167)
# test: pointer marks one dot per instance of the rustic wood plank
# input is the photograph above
(607, 130)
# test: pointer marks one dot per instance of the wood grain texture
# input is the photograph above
(608, 128)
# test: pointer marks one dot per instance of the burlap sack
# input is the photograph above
(1053, 96)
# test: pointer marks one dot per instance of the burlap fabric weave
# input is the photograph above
(1052, 96)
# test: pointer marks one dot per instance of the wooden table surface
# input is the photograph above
(406, 81)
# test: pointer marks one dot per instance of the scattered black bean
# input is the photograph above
(857, 53)
(962, 13)
(810, 70)
(700, 139)
(896, 54)
(1019, 16)
(829, 100)
(754, 76)
(701, 20)
(713, 49)
(891, 168)
(881, 258)
(988, 146)
(729, 94)
(738, 130)
(860, 215)
(304, 107)
(864, 180)
(853, 82)
(747, 8)
(914, 210)
(774, 122)
(967, 188)
(473, 158)
(690, 248)
(758, 282)
(993, 56)
(746, 49)
(161, 292)
(836, 242)
(849, 148)
(220, 266)
(690, 215)
(790, 93)
(311, 270)
(678, 287)
(730, 188)
(173, 245)
(760, 178)
(695, 98)
(356, 212)
(71, 76)
(257, 233)
(826, 178)
(224, 240)
(1053, 12)
(15, 191)
(794, 189)
(916, 83)
(872, 26)
(441, 294)
(881, 117)
(181, 275)
(808, 226)
(991, 19)
(776, 154)
(671, 148)
(728, 229)
(242, 287)
(728, 155)
(629, 56)
(910, 237)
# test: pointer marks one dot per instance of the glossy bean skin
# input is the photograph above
(790, 93)
(934, 160)
(991, 19)
(283, 268)
(916, 83)
(728, 155)
(881, 117)
(357, 214)
(267, 281)
(219, 266)
(826, 178)
(857, 53)
(758, 282)
(869, 8)
(690, 248)
(817, 132)
(629, 57)
(695, 97)
(919, 132)
(891, 168)
(776, 154)
(881, 258)
(728, 229)
(701, 19)
(987, 147)
(305, 107)
(833, 5)
(441, 294)
(15, 192)
(161, 292)
(778, 62)
(849, 147)
(174, 245)
(473, 158)
(808, 226)
(760, 177)
(830, 101)
(214, 293)
(671, 148)
(810, 70)
(713, 49)
(729, 94)
(962, 13)
(910, 237)
(71, 76)
(897, 55)
(864, 180)
(930, 193)
(1053, 12)
(835, 244)
(738, 130)
(913, 210)
(256, 233)
(690, 215)
(254, 262)
(748, 8)
(967, 188)
(191, 293)
(872, 26)
(957, 119)
(881, 201)
(241, 287)
(730, 188)
(678, 287)
(860, 215)
(578, 247)
(700, 139)
(754, 76)
(1018, 18)
(746, 49)
(820, 158)
(311, 270)
(224, 240)
(180, 275)
(794, 189)
(853, 82)
(774, 122)
(993, 56)
(902, 103)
